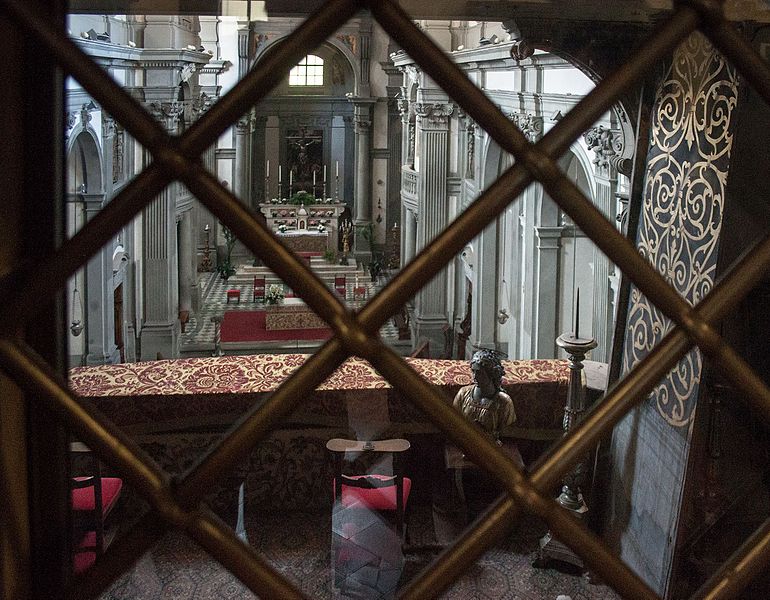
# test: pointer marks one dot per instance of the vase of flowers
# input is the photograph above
(274, 294)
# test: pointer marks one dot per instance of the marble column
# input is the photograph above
(409, 238)
(433, 131)
(241, 174)
(187, 268)
(98, 298)
(407, 147)
(546, 280)
(606, 146)
(160, 329)
(485, 290)
(362, 208)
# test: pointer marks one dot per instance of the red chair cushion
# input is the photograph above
(83, 498)
(380, 498)
(83, 559)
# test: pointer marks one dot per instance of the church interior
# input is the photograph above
(376, 300)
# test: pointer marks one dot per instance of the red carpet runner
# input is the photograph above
(249, 326)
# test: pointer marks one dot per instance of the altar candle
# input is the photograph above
(267, 169)
(337, 167)
(313, 178)
(324, 172)
(279, 173)
(291, 178)
(577, 314)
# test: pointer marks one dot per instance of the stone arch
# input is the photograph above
(334, 48)
(84, 162)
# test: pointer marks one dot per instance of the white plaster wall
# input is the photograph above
(566, 81)
(501, 80)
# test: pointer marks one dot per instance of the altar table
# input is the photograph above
(306, 240)
(292, 313)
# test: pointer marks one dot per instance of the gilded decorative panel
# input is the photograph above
(688, 161)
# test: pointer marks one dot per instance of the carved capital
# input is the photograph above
(167, 113)
(243, 125)
(201, 105)
(362, 124)
(403, 106)
(607, 146)
(435, 114)
(530, 125)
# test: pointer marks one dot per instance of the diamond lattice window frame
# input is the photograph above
(177, 158)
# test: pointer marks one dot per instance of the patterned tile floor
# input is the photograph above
(198, 338)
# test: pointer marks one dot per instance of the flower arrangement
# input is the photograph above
(282, 228)
(321, 228)
(274, 294)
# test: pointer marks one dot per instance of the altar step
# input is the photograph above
(355, 276)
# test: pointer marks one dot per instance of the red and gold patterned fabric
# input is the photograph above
(196, 389)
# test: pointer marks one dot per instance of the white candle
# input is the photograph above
(313, 178)
(291, 178)
(324, 172)
(267, 169)
(279, 173)
(337, 166)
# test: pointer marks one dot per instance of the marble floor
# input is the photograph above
(198, 338)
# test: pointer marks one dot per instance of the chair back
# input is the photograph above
(92, 498)
(373, 491)
(259, 289)
(340, 285)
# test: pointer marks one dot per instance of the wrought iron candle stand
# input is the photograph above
(571, 497)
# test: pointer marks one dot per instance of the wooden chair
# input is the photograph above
(93, 498)
(365, 547)
(340, 285)
(259, 289)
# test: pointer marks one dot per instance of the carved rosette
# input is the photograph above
(434, 115)
(530, 125)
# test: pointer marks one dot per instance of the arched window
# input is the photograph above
(309, 71)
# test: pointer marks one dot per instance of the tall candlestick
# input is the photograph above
(577, 314)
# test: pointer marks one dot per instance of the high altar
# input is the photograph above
(298, 225)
